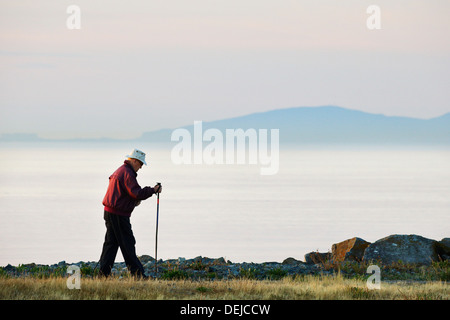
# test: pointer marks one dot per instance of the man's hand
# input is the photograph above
(157, 188)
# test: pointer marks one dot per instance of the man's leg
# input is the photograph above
(127, 242)
(110, 247)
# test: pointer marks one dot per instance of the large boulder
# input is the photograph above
(412, 249)
(349, 250)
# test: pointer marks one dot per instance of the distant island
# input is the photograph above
(311, 125)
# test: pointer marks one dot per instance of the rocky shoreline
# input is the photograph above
(400, 257)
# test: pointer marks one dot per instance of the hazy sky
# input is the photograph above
(138, 66)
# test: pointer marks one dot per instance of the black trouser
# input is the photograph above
(119, 234)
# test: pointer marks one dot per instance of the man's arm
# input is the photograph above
(135, 190)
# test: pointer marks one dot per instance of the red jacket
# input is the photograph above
(124, 191)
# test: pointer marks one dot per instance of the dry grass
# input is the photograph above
(303, 288)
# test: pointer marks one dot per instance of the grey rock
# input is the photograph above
(220, 260)
(9, 268)
(291, 260)
(146, 258)
(412, 249)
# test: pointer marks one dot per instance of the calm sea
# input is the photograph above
(51, 194)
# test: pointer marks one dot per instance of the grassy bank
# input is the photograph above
(333, 287)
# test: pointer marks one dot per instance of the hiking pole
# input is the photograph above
(157, 218)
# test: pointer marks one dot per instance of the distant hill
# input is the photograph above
(311, 125)
(331, 125)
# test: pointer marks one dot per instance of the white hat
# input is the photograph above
(137, 154)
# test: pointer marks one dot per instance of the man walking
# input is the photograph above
(122, 196)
